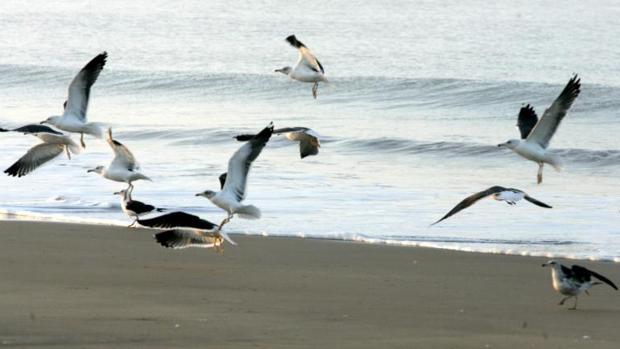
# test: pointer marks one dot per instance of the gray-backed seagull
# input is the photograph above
(572, 281)
(307, 69)
(510, 195)
(123, 168)
(309, 142)
(231, 196)
(73, 118)
(536, 134)
(54, 143)
(134, 208)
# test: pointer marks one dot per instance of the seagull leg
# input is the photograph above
(133, 223)
(574, 306)
(82, 140)
(564, 300)
(67, 151)
(315, 87)
(540, 169)
(218, 238)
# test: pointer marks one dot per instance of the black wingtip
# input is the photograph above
(3, 130)
(243, 137)
(291, 39)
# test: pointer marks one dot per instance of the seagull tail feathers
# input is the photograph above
(555, 162)
(74, 148)
(227, 238)
(248, 212)
(95, 129)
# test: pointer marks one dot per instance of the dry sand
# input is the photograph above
(80, 286)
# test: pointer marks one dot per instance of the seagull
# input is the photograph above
(123, 168)
(536, 134)
(54, 143)
(135, 208)
(574, 280)
(309, 143)
(189, 231)
(73, 118)
(307, 69)
(510, 195)
(230, 197)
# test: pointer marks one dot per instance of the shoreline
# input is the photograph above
(89, 286)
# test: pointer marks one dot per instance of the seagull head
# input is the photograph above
(511, 144)
(550, 263)
(122, 193)
(207, 194)
(98, 169)
(52, 120)
(285, 70)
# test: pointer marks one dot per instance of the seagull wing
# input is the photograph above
(184, 238)
(582, 274)
(222, 179)
(309, 142)
(549, 122)
(35, 128)
(470, 200)
(536, 202)
(240, 163)
(139, 206)
(35, 157)
(305, 55)
(79, 89)
(177, 219)
(527, 120)
(122, 156)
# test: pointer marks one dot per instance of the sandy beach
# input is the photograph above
(83, 286)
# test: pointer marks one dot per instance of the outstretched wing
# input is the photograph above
(36, 128)
(527, 120)
(79, 89)
(183, 238)
(536, 202)
(549, 122)
(177, 219)
(470, 200)
(35, 157)
(582, 274)
(305, 55)
(240, 163)
(122, 156)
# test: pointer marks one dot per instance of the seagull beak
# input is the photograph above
(91, 170)
(278, 70)
(544, 265)
(501, 145)
(117, 193)
(199, 194)
(43, 122)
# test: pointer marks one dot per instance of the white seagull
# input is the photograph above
(54, 143)
(123, 168)
(570, 282)
(307, 69)
(189, 231)
(73, 118)
(134, 208)
(536, 134)
(235, 182)
(510, 195)
(309, 142)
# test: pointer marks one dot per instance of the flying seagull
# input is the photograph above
(570, 282)
(231, 196)
(123, 168)
(54, 143)
(135, 208)
(510, 195)
(73, 118)
(307, 69)
(536, 134)
(309, 143)
(189, 231)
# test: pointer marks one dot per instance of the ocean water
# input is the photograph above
(421, 94)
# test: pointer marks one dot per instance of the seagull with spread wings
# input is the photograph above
(536, 134)
(307, 69)
(235, 182)
(134, 208)
(510, 195)
(123, 168)
(54, 143)
(73, 118)
(309, 142)
(572, 281)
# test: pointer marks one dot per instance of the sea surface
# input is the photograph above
(422, 92)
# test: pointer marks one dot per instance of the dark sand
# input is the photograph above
(81, 286)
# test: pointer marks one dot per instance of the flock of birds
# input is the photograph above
(186, 230)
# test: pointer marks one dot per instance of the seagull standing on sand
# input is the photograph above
(572, 281)
(54, 143)
(189, 231)
(510, 195)
(230, 197)
(309, 143)
(73, 118)
(536, 134)
(307, 69)
(123, 168)
(135, 208)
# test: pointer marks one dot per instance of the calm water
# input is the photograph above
(422, 93)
